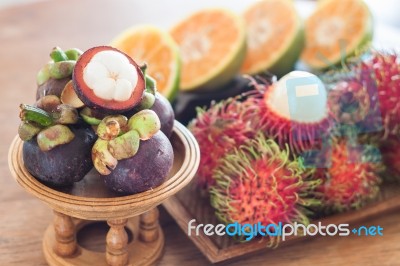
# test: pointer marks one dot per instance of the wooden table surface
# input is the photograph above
(27, 33)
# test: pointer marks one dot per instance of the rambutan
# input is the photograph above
(350, 179)
(259, 183)
(295, 111)
(376, 81)
(350, 103)
(218, 130)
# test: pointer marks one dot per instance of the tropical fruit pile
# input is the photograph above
(203, 57)
(98, 108)
(304, 146)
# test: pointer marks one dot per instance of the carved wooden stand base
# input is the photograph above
(90, 200)
(61, 249)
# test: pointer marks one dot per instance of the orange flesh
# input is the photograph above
(336, 27)
(271, 25)
(206, 40)
(147, 46)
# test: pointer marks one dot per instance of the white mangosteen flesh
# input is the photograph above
(111, 76)
(299, 96)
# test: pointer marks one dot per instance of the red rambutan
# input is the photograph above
(376, 81)
(351, 178)
(259, 183)
(218, 130)
(349, 102)
(295, 111)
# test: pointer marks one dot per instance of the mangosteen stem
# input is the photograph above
(143, 68)
(73, 54)
(151, 86)
(58, 55)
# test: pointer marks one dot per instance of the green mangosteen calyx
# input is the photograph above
(68, 96)
(119, 138)
(61, 65)
(149, 95)
(48, 120)
(90, 116)
(108, 80)
(146, 123)
(54, 136)
(111, 126)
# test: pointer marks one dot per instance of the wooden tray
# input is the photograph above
(188, 204)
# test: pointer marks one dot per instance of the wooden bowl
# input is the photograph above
(90, 199)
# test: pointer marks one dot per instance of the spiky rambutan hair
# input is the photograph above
(259, 183)
(374, 83)
(350, 179)
(219, 129)
(301, 130)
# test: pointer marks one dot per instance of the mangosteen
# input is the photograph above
(52, 87)
(147, 169)
(119, 138)
(54, 75)
(165, 113)
(58, 144)
(108, 80)
(64, 164)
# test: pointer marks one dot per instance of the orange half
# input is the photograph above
(212, 47)
(336, 30)
(274, 37)
(156, 48)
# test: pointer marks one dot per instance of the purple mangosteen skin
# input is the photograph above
(52, 87)
(147, 169)
(64, 164)
(165, 113)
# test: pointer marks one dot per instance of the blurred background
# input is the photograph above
(387, 20)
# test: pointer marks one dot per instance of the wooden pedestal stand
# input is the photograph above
(89, 200)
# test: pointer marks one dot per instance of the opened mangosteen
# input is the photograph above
(57, 146)
(133, 153)
(108, 80)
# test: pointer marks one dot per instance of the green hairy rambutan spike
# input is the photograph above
(219, 129)
(258, 182)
